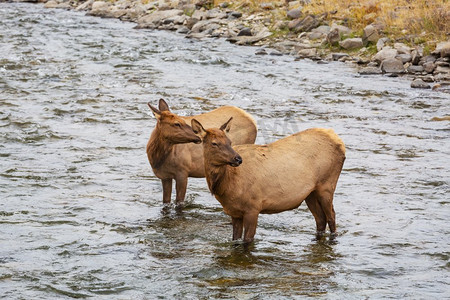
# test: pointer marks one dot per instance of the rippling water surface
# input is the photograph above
(80, 209)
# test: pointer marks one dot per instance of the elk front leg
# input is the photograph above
(250, 222)
(238, 225)
(181, 185)
(167, 190)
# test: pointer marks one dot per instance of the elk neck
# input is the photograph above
(219, 178)
(158, 148)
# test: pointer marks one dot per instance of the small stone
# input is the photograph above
(415, 57)
(381, 43)
(246, 31)
(350, 44)
(429, 67)
(267, 6)
(183, 30)
(51, 4)
(294, 13)
(275, 53)
(419, 84)
(333, 37)
(370, 71)
(224, 4)
(307, 53)
(392, 65)
(235, 14)
(415, 69)
(343, 30)
(261, 51)
(337, 56)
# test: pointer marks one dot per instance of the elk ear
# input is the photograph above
(226, 127)
(155, 111)
(198, 128)
(163, 106)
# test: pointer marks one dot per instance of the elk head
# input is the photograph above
(172, 128)
(216, 145)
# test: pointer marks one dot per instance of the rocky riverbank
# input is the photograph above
(281, 29)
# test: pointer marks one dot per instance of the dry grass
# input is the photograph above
(416, 21)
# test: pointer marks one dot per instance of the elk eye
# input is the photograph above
(178, 124)
(214, 144)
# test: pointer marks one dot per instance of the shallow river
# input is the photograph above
(81, 211)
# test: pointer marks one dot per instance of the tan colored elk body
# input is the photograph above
(171, 150)
(252, 179)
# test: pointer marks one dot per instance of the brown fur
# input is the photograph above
(275, 177)
(171, 150)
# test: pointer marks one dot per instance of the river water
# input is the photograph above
(81, 211)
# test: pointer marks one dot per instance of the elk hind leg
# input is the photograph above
(312, 201)
(325, 197)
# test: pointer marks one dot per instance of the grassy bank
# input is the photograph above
(416, 22)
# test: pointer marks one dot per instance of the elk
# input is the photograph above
(173, 149)
(249, 180)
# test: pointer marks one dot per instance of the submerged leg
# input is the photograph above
(238, 226)
(326, 202)
(250, 222)
(314, 206)
(181, 185)
(167, 190)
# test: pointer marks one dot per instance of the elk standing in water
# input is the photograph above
(171, 150)
(252, 179)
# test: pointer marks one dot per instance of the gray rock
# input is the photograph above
(370, 34)
(294, 13)
(337, 56)
(392, 65)
(427, 78)
(275, 52)
(85, 6)
(420, 84)
(404, 57)
(415, 69)
(343, 30)
(307, 53)
(442, 70)
(429, 66)
(350, 44)
(246, 31)
(306, 24)
(385, 53)
(325, 29)
(235, 14)
(333, 37)
(370, 71)
(442, 49)
(215, 13)
(402, 48)
(261, 51)
(224, 4)
(315, 35)
(267, 5)
(205, 25)
(183, 30)
(381, 43)
(156, 18)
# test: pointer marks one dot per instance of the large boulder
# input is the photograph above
(306, 24)
(420, 84)
(392, 65)
(370, 34)
(442, 49)
(350, 44)
(385, 53)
